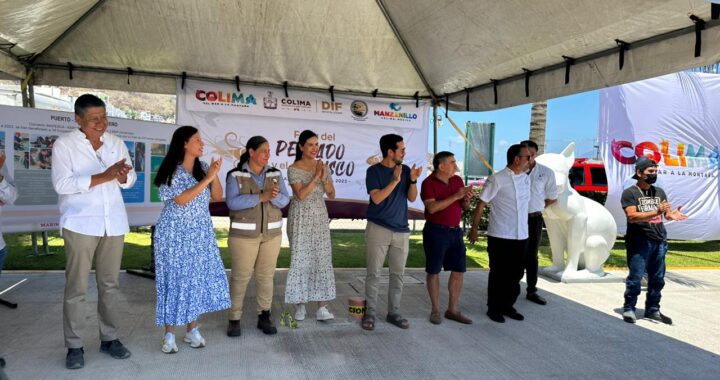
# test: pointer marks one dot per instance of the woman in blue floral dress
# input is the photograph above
(189, 273)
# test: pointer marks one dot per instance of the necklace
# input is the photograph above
(642, 192)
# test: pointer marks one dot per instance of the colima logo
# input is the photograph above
(682, 158)
(224, 97)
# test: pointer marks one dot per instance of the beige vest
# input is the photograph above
(265, 218)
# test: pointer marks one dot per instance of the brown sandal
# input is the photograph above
(368, 322)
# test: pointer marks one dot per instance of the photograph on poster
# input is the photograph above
(139, 161)
(158, 149)
(22, 142)
(40, 159)
(42, 141)
(22, 160)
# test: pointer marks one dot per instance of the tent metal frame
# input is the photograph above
(31, 61)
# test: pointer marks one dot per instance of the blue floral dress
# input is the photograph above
(189, 273)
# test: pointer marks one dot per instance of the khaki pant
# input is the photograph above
(79, 252)
(250, 255)
(383, 242)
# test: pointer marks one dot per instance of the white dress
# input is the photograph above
(311, 276)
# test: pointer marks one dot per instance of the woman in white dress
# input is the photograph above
(311, 277)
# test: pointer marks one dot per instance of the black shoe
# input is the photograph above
(534, 297)
(265, 324)
(2, 363)
(74, 358)
(497, 317)
(115, 349)
(513, 314)
(660, 317)
(233, 328)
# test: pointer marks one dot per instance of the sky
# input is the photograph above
(571, 118)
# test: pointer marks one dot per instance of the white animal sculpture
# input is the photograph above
(576, 224)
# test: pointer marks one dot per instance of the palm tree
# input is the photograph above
(538, 119)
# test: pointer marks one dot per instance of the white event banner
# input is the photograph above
(675, 119)
(349, 130)
(27, 136)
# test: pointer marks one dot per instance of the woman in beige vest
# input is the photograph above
(255, 195)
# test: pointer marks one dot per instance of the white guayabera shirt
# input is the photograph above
(508, 194)
(542, 182)
(8, 194)
(95, 211)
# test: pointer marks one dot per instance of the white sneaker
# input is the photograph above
(169, 346)
(300, 312)
(323, 314)
(194, 338)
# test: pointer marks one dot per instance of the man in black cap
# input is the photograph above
(646, 240)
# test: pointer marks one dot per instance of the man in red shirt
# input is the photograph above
(445, 196)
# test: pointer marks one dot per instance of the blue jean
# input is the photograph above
(643, 255)
(2, 258)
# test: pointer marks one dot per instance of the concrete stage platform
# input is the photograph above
(578, 335)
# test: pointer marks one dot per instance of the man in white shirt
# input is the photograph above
(89, 167)
(543, 193)
(508, 193)
(8, 194)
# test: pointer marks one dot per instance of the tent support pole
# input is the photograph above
(405, 48)
(435, 128)
(27, 91)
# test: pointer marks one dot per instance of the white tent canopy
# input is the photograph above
(397, 47)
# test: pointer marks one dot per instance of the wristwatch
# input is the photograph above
(413, 182)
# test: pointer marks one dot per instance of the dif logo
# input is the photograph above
(332, 106)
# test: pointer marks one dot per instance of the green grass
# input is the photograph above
(348, 252)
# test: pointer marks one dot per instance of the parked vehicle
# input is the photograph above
(588, 175)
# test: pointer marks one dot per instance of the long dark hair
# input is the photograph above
(253, 143)
(304, 137)
(176, 155)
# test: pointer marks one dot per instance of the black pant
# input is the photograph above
(506, 271)
(535, 223)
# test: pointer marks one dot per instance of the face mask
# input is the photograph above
(650, 178)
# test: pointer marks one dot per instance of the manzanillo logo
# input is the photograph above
(395, 114)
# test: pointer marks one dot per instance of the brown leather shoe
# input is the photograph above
(435, 318)
(459, 317)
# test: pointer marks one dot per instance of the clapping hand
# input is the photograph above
(320, 168)
(469, 194)
(119, 171)
(676, 214)
(664, 207)
(397, 173)
(415, 172)
(270, 195)
(215, 166)
(461, 193)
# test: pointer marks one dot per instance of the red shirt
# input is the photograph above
(433, 188)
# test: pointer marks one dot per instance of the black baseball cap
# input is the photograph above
(643, 163)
